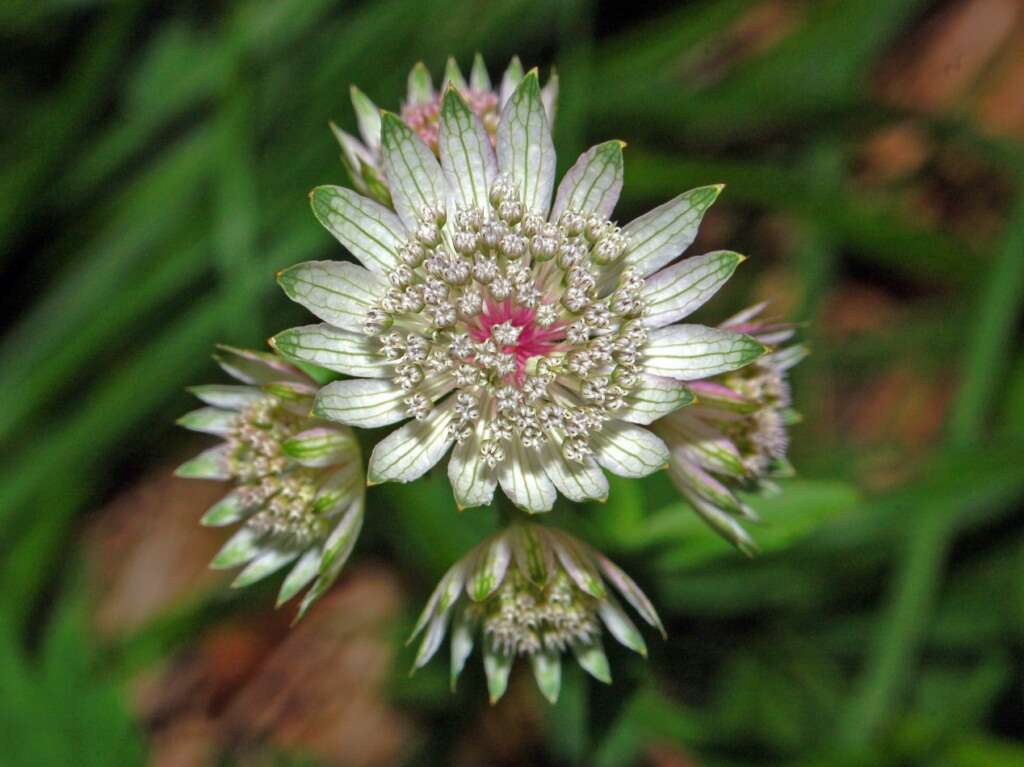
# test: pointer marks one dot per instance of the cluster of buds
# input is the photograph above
(297, 480)
(535, 592)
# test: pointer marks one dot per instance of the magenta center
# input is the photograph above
(533, 341)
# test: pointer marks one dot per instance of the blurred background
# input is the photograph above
(156, 159)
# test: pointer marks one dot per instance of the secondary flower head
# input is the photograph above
(734, 437)
(537, 592)
(421, 111)
(537, 339)
(298, 480)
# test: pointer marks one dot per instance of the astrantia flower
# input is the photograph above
(536, 339)
(298, 480)
(734, 437)
(421, 111)
(536, 592)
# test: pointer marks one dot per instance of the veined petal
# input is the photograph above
(547, 671)
(593, 184)
(339, 488)
(265, 564)
(299, 577)
(694, 441)
(453, 75)
(479, 80)
(723, 523)
(442, 598)
(549, 97)
(621, 627)
(369, 231)
(689, 352)
(592, 659)
(578, 482)
(210, 420)
(409, 452)
(628, 450)
(415, 177)
(497, 667)
(256, 368)
(533, 555)
(524, 481)
(525, 149)
(226, 511)
(343, 351)
(461, 643)
(321, 446)
(682, 288)
(367, 116)
(209, 464)
(363, 402)
(473, 481)
(240, 548)
(337, 292)
(467, 156)
(510, 79)
(660, 235)
(337, 549)
(628, 588)
(419, 86)
(432, 639)
(579, 566)
(488, 571)
(654, 398)
(227, 396)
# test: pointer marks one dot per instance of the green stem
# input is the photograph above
(917, 580)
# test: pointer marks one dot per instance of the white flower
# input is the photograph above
(734, 437)
(298, 481)
(537, 592)
(536, 339)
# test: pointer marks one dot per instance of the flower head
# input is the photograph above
(734, 437)
(298, 480)
(537, 592)
(421, 111)
(536, 339)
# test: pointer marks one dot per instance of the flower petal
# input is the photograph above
(461, 643)
(227, 396)
(628, 588)
(241, 547)
(210, 420)
(369, 231)
(547, 670)
(337, 292)
(329, 347)
(412, 171)
(682, 288)
(368, 403)
(321, 446)
(467, 156)
(524, 481)
(525, 149)
(419, 86)
(628, 450)
(549, 96)
(453, 75)
(431, 640)
(660, 235)
(299, 577)
(593, 184)
(510, 79)
(473, 481)
(621, 627)
(592, 659)
(337, 549)
(579, 566)
(532, 553)
(497, 667)
(479, 80)
(721, 522)
(442, 598)
(226, 511)
(209, 464)
(654, 398)
(367, 116)
(409, 452)
(257, 368)
(689, 352)
(265, 564)
(583, 481)
(489, 569)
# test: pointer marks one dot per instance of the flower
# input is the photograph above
(298, 480)
(531, 590)
(734, 437)
(421, 111)
(536, 339)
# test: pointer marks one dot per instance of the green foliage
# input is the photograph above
(153, 187)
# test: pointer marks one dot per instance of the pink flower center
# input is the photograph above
(533, 340)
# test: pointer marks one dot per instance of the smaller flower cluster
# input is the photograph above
(734, 437)
(421, 111)
(532, 591)
(298, 480)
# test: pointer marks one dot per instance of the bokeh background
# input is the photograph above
(155, 162)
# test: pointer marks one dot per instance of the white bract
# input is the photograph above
(298, 480)
(537, 339)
